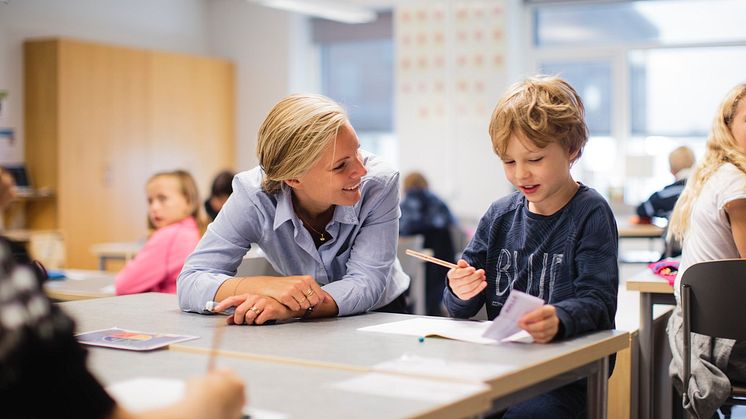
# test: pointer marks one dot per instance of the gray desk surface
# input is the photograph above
(296, 391)
(337, 343)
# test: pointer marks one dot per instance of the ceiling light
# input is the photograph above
(332, 10)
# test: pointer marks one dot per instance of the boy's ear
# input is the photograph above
(574, 156)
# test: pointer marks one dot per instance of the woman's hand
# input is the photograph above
(297, 293)
(255, 309)
(542, 324)
(465, 281)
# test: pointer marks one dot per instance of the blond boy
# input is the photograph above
(554, 238)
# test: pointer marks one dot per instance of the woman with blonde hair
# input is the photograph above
(710, 220)
(325, 214)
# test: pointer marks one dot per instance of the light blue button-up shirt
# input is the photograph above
(357, 266)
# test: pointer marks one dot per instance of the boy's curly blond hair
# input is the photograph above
(544, 109)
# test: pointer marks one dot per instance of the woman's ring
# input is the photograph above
(255, 310)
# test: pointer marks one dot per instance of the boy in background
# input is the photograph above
(553, 238)
(661, 203)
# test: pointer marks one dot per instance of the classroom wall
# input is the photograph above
(271, 49)
(454, 61)
(172, 25)
(273, 55)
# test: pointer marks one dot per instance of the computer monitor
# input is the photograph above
(20, 176)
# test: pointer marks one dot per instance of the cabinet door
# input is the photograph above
(192, 116)
(103, 119)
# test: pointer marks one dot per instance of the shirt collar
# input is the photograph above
(285, 212)
(683, 174)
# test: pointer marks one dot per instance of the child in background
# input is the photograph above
(422, 212)
(661, 203)
(221, 189)
(173, 212)
(710, 220)
(554, 238)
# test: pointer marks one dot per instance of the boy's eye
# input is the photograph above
(536, 159)
(508, 161)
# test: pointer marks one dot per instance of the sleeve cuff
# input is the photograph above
(565, 321)
(342, 294)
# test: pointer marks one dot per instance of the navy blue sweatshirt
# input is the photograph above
(569, 259)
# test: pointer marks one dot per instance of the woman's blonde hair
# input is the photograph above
(294, 135)
(721, 148)
(188, 188)
(544, 109)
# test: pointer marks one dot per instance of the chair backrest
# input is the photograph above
(716, 298)
(460, 239)
(415, 268)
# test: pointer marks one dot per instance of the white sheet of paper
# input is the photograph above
(468, 331)
(146, 393)
(77, 274)
(109, 289)
(444, 368)
(410, 388)
(506, 324)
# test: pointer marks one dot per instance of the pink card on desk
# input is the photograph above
(129, 339)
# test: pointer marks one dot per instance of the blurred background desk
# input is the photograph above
(650, 232)
(81, 285)
(122, 251)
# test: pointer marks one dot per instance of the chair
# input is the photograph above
(460, 239)
(712, 303)
(415, 268)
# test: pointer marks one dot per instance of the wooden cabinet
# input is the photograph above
(101, 119)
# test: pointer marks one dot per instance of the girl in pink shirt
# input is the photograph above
(173, 214)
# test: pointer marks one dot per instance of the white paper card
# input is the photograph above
(444, 368)
(468, 331)
(506, 324)
(147, 393)
(411, 388)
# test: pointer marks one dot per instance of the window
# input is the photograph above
(357, 70)
(651, 74)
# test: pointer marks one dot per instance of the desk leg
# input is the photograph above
(646, 355)
(102, 263)
(598, 389)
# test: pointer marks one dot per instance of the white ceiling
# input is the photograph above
(373, 4)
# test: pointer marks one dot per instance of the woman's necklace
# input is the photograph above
(322, 236)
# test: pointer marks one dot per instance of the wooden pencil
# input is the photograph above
(430, 259)
(217, 337)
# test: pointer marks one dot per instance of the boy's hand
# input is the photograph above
(465, 281)
(542, 324)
